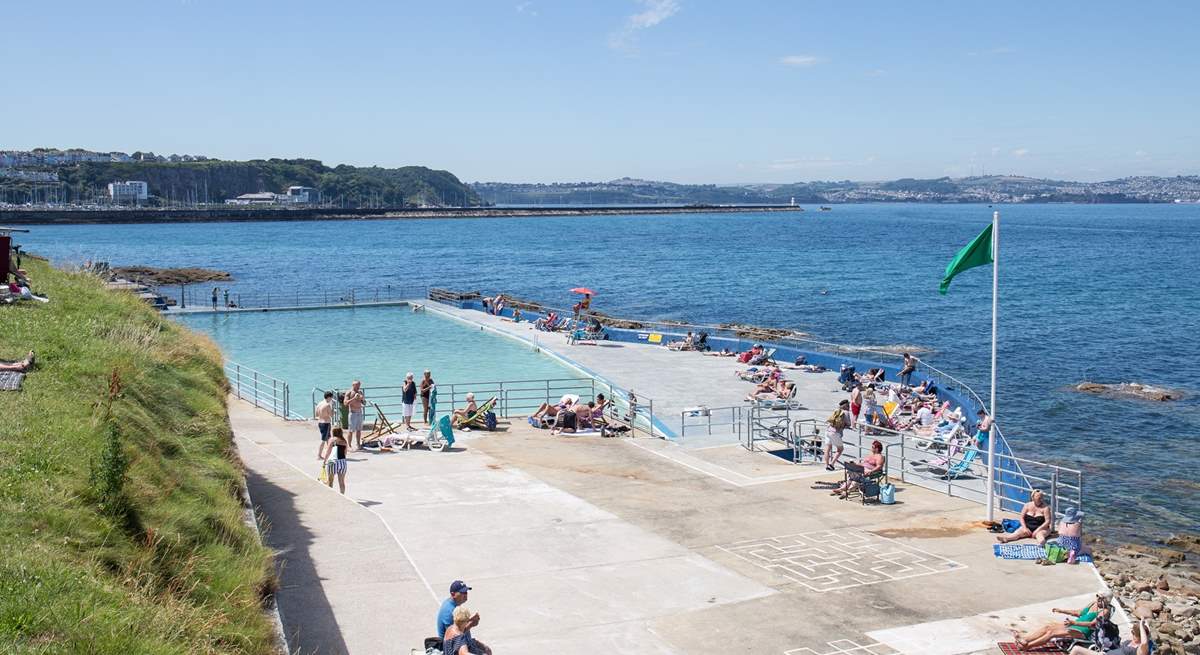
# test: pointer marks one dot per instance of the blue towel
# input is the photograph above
(1026, 552)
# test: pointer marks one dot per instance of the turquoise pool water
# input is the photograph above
(329, 348)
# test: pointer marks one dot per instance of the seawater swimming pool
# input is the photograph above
(329, 348)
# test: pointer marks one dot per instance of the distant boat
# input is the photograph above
(827, 209)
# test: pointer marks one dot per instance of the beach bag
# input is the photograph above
(489, 420)
(1056, 553)
(1010, 525)
(887, 494)
(1108, 635)
(323, 476)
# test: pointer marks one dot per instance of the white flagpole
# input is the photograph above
(992, 434)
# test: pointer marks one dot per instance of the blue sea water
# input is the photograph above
(1105, 293)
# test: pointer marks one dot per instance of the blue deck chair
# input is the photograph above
(958, 468)
(441, 435)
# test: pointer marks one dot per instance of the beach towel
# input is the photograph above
(11, 380)
(1027, 552)
(1010, 648)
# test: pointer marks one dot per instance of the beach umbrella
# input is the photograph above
(583, 290)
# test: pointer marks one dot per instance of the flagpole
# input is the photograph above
(992, 432)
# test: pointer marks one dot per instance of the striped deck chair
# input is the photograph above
(382, 427)
(476, 420)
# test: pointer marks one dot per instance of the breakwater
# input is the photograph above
(238, 215)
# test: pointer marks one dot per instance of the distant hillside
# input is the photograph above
(990, 189)
(217, 180)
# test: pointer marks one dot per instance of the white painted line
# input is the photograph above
(308, 476)
(750, 481)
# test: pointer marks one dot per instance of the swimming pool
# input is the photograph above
(329, 348)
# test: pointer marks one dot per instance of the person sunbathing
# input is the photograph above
(1141, 644)
(460, 416)
(1077, 625)
(858, 471)
(1036, 521)
(687, 343)
(22, 366)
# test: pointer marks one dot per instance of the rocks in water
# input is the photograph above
(1159, 583)
(169, 276)
(1130, 390)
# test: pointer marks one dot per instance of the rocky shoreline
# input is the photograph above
(1159, 583)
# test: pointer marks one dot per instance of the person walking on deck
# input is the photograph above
(408, 398)
(324, 415)
(838, 422)
(226, 297)
(214, 297)
(426, 387)
(337, 465)
(906, 371)
(356, 402)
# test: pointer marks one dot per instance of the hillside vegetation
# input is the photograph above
(222, 180)
(122, 530)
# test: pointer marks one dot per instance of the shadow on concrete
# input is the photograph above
(308, 621)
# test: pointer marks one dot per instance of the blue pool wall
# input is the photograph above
(1006, 472)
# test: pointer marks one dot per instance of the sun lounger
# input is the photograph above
(780, 402)
(382, 428)
(477, 419)
(956, 468)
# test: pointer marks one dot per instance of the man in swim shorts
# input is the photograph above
(355, 402)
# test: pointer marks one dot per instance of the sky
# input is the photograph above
(687, 91)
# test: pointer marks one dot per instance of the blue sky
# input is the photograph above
(680, 90)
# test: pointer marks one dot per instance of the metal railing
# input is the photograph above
(702, 420)
(199, 297)
(925, 461)
(265, 391)
(519, 398)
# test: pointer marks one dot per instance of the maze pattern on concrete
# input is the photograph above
(839, 559)
(846, 647)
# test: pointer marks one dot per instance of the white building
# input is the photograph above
(303, 195)
(128, 191)
(262, 198)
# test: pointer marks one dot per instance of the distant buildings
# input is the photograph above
(71, 156)
(296, 195)
(130, 191)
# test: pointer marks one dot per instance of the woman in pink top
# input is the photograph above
(857, 471)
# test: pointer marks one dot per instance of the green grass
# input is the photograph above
(120, 525)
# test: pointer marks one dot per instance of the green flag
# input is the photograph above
(976, 253)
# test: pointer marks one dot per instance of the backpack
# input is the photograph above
(1107, 635)
(489, 420)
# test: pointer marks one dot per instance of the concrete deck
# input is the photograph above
(674, 380)
(587, 545)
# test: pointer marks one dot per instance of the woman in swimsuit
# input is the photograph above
(869, 464)
(1077, 625)
(426, 387)
(336, 466)
(458, 416)
(1035, 521)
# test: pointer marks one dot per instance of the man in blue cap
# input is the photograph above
(458, 596)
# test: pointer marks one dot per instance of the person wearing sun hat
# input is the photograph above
(1070, 533)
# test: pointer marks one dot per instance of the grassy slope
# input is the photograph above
(184, 574)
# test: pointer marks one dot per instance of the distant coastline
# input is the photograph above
(222, 215)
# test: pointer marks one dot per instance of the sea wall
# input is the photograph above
(243, 215)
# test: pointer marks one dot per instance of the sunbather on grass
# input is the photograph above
(22, 366)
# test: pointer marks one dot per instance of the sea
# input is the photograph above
(1100, 293)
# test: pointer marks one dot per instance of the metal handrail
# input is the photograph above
(264, 391)
(201, 298)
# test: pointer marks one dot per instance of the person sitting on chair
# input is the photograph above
(1139, 645)
(1035, 520)
(1077, 625)
(460, 416)
(857, 471)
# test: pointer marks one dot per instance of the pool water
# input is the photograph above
(329, 348)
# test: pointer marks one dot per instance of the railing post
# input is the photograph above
(274, 399)
(651, 417)
(256, 388)
(287, 401)
(239, 380)
(1054, 493)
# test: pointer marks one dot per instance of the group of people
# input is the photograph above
(454, 624)
(570, 414)
(336, 440)
(216, 293)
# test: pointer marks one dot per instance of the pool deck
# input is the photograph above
(675, 380)
(587, 545)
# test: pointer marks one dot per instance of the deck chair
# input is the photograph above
(956, 468)
(477, 419)
(382, 427)
(868, 488)
(780, 402)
